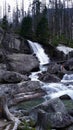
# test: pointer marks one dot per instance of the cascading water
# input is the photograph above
(39, 51)
(52, 89)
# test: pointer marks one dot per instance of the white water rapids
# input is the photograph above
(39, 51)
(53, 89)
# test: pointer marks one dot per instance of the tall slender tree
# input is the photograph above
(26, 27)
(42, 31)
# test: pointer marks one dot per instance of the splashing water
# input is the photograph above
(39, 51)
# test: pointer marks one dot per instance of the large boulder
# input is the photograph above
(23, 63)
(23, 88)
(57, 69)
(11, 77)
(53, 113)
(15, 44)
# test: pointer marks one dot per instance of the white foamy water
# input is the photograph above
(67, 78)
(65, 49)
(34, 76)
(58, 89)
(39, 51)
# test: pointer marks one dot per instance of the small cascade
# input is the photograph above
(67, 78)
(39, 52)
(57, 89)
(53, 89)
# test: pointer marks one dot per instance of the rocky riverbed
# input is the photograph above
(17, 62)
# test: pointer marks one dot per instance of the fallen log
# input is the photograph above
(18, 98)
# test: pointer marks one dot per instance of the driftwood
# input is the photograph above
(13, 122)
(4, 113)
(18, 98)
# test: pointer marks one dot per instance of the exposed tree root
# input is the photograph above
(7, 115)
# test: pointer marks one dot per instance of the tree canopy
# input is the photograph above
(26, 27)
(42, 31)
(5, 23)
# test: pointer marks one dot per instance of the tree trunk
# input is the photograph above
(4, 113)
(22, 97)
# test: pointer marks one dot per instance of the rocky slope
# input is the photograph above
(16, 63)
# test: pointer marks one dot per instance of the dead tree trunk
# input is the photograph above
(4, 113)
(23, 97)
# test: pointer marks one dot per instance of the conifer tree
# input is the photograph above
(42, 31)
(5, 23)
(26, 27)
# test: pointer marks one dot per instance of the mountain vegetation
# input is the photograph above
(51, 23)
(26, 27)
(42, 30)
(4, 23)
(33, 74)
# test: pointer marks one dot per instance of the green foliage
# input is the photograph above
(29, 125)
(26, 27)
(5, 23)
(56, 40)
(25, 126)
(42, 31)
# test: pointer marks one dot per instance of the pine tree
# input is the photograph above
(5, 23)
(26, 27)
(42, 31)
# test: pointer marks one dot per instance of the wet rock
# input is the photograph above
(68, 65)
(24, 47)
(11, 77)
(54, 73)
(65, 97)
(70, 54)
(54, 53)
(23, 63)
(48, 78)
(57, 69)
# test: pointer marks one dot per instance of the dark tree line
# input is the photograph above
(52, 23)
(55, 24)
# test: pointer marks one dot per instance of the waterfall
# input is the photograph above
(53, 89)
(39, 51)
